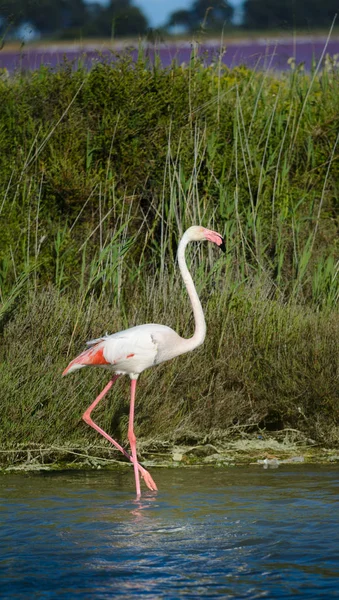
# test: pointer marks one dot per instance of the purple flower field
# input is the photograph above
(260, 53)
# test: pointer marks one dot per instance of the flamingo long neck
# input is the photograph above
(199, 318)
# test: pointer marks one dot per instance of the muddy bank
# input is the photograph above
(262, 450)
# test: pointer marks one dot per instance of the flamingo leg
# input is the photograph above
(132, 438)
(87, 418)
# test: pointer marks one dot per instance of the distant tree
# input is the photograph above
(47, 16)
(12, 12)
(272, 14)
(57, 17)
(183, 18)
(212, 14)
(119, 18)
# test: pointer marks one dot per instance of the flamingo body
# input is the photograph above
(133, 350)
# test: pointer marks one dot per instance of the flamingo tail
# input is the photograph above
(93, 356)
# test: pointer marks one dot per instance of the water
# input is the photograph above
(211, 533)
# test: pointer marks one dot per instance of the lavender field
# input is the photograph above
(258, 53)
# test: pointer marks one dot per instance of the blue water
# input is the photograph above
(211, 533)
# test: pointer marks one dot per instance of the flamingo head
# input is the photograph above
(198, 233)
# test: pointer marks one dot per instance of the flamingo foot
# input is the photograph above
(148, 479)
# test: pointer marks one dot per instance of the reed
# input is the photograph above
(100, 174)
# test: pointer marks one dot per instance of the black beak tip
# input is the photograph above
(223, 245)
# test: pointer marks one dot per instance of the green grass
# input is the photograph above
(100, 174)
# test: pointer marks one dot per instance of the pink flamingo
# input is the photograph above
(132, 351)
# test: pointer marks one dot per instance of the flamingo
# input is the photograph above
(133, 350)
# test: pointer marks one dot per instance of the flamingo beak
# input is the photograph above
(222, 245)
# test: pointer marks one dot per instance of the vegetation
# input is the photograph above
(279, 14)
(211, 15)
(100, 173)
(74, 18)
(80, 19)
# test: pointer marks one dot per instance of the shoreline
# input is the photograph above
(249, 451)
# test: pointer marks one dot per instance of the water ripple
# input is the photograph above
(233, 533)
